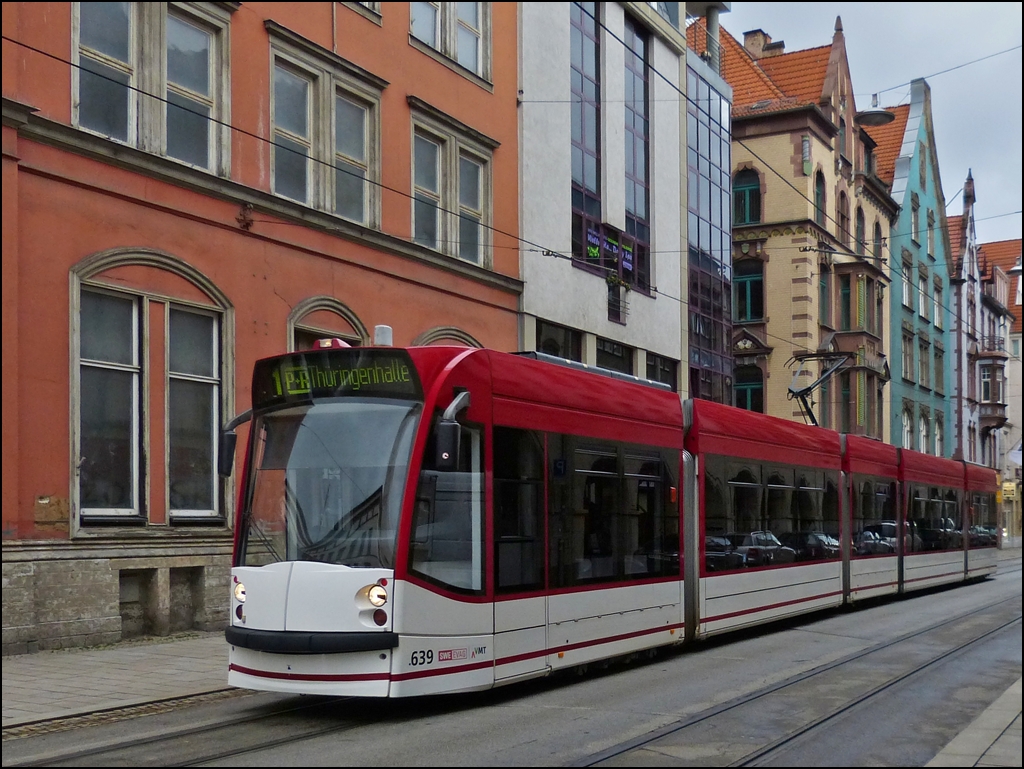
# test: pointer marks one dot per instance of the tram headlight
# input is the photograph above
(239, 592)
(377, 595)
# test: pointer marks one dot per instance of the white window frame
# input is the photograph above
(447, 24)
(908, 430)
(937, 306)
(455, 142)
(907, 287)
(922, 298)
(329, 77)
(136, 369)
(147, 68)
(216, 382)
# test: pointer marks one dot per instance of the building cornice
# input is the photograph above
(63, 137)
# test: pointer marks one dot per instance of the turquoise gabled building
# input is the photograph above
(921, 352)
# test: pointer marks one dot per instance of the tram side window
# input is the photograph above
(983, 520)
(874, 517)
(933, 524)
(447, 526)
(518, 510)
(611, 515)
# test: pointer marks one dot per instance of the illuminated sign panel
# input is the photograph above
(305, 376)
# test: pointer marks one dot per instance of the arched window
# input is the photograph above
(819, 198)
(923, 432)
(748, 288)
(939, 447)
(746, 196)
(749, 388)
(148, 394)
(876, 244)
(859, 245)
(908, 430)
(843, 210)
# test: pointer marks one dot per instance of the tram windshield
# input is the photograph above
(327, 482)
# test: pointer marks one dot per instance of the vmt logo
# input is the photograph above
(480, 651)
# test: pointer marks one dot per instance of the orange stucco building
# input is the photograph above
(189, 187)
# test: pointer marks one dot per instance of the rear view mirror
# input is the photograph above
(226, 454)
(226, 445)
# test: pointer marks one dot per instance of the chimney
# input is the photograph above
(760, 46)
(754, 41)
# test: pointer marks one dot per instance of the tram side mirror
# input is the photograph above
(228, 441)
(226, 454)
(448, 434)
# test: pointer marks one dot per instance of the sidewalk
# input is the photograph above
(50, 685)
(62, 684)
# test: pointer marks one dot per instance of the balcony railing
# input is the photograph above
(993, 344)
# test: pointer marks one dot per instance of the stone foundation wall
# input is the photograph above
(59, 595)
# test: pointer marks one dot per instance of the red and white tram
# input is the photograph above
(441, 519)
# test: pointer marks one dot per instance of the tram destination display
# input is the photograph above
(311, 375)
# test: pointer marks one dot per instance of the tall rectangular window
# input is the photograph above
(585, 106)
(614, 356)
(924, 377)
(427, 157)
(189, 91)
(471, 207)
(908, 286)
(193, 394)
(106, 104)
(940, 371)
(937, 306)
(109, 369)
(350, 158)
(908, 357)
(824, 295)
(292, 140)
(922, 296)
(174, 51)
(845, 303)
(931, 233)
(637, 115)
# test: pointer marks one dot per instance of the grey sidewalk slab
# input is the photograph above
(992, 739)
(61, 684)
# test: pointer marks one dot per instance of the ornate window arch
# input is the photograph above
(445, 335)
(151, 383)
(819, 198)
(746, 195)
(324, 316)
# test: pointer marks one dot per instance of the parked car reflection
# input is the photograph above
(721, 555)
(868, 542)
(761, 548)
(811, 545)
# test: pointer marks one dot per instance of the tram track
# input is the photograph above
(786, 701)
(268, 726)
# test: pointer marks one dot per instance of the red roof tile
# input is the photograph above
(800, 73)
(749, 84)
(1005, 254)
(889, 139)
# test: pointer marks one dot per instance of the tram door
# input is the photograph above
(520, 608)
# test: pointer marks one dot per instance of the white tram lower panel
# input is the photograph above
(874, 576)
(355, 674)
(585, 626)
(923, 570)
(982, 562)
(731, 601)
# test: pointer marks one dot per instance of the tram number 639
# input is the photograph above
(421, 658)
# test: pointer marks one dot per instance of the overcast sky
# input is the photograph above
(976, 108)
